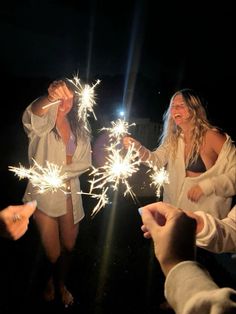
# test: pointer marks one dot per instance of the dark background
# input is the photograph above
(142, 51)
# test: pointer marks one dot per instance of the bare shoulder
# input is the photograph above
(215, 139)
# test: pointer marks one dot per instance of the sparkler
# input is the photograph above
(102, 199)
(119, 167)
(44, 179)
(86, 99)
(51, 104)
(159, 177)
(118, 129)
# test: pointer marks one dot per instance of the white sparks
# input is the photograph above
(86, 99)
(118, 168)
(103, 199)
(44, 179)
(119, 129)
(159, 177)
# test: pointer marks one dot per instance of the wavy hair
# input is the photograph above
(171, 132)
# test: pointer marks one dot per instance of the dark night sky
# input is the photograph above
(143, 51)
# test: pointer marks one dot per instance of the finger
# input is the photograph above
(147, 235)
(144, 228)
(29, 208)
(161, 208)
(64, 91)
(148, 220)
(19, 232)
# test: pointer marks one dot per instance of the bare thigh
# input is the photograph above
(49, 231)
(68, 230)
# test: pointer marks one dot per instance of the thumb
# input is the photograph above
(29, 208)
(149, 220)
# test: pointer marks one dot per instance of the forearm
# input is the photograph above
(218, 235)
(190, 289)
(41, 105)
(144, 153)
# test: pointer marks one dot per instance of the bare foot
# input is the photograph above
(49, 292)
(66, 297)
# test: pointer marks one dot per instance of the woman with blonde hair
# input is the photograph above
(196, 154)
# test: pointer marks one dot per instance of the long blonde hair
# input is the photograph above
(171, 132)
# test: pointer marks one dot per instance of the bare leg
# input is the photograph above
(68, 236)
(49, 231)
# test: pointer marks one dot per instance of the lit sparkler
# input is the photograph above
(86, 99)
(118, 130)
(159, 177)
(117, 169)
(103, 199)
(44, 179)
(51, 104)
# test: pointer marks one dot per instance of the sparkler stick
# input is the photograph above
(44, 179)
(51, 104)
(102, 199)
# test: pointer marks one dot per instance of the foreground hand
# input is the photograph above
(172, 232)
(14, 220)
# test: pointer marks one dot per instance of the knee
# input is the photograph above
(53, 256)
(68, 248)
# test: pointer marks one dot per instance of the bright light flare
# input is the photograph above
(118, 168)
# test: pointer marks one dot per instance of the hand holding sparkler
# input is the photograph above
(58, 90)
(58, 93)
(143, 151)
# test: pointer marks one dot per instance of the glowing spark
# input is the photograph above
(45, 179)
(117, 169)
(118, 129)
(159, 178)
(102, 199)
(86, 99)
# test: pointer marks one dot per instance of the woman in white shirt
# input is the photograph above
(57, 136)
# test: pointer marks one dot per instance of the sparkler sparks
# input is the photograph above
(86, 99)
(44, 179)
(159, 177)
(103, 199)
(118, 129)
(118, 168)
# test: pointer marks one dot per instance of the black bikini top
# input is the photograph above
(197, 165)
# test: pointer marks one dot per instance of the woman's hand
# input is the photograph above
(58, 90)
(128, 141)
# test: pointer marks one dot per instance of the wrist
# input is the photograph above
(143, 153)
